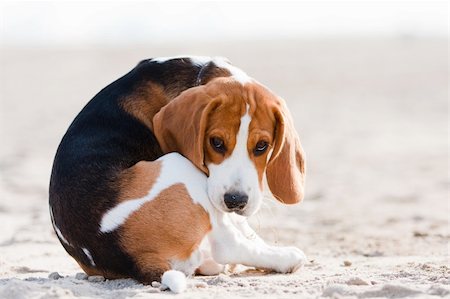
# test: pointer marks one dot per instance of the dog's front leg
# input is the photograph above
(230, 246)
(241, 223)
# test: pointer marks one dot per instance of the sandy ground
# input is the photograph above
(373, 118)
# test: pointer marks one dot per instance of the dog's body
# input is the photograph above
(122, 208)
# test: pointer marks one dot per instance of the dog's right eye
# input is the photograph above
(218, 145)
(260, 148)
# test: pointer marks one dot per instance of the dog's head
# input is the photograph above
(238, 135)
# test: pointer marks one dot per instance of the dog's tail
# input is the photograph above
(174, 280)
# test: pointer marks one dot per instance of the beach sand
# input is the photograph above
(373, 119)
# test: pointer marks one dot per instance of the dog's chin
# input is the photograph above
(244, 212)
(248, 210)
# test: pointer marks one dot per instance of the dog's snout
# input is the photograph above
(235, 201)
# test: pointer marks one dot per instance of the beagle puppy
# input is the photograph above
(155, 177)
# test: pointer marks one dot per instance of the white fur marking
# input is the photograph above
(117, 215)
(189, 265)
(58, 232)
(174, 169)
(209, 266)
(238, 74)
(231, 246)
(196, 60)
(174, 280)
(237, 173)
(89, 256)
(60, 235)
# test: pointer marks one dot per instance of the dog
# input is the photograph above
(155, 177)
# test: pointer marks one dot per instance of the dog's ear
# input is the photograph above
(180, 125)
(286, 168)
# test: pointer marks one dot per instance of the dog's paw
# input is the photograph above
(210, 267)
(291, 260)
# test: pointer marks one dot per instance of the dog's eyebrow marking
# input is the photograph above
(89, 256)
(58, 232)
(174, 169)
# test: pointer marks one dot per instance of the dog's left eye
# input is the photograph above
(260, 148)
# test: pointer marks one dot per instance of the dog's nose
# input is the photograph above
(235, 201)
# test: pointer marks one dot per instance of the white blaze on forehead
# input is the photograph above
(237, 173)
(174, 169)
(236, 162)
(240, 151)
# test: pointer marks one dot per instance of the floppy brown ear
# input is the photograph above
(286, 168)
(180, 125)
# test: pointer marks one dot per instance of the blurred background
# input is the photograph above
(366, 82)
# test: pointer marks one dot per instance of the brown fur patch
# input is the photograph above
(169, 227)
(145, 102)
(136, 181)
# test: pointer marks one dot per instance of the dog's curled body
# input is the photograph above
(111, 134)
(123, 207)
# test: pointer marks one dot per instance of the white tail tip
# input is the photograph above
(174, 280)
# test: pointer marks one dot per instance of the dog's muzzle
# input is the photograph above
(235, 201)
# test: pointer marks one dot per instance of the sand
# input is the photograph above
(373, 118)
